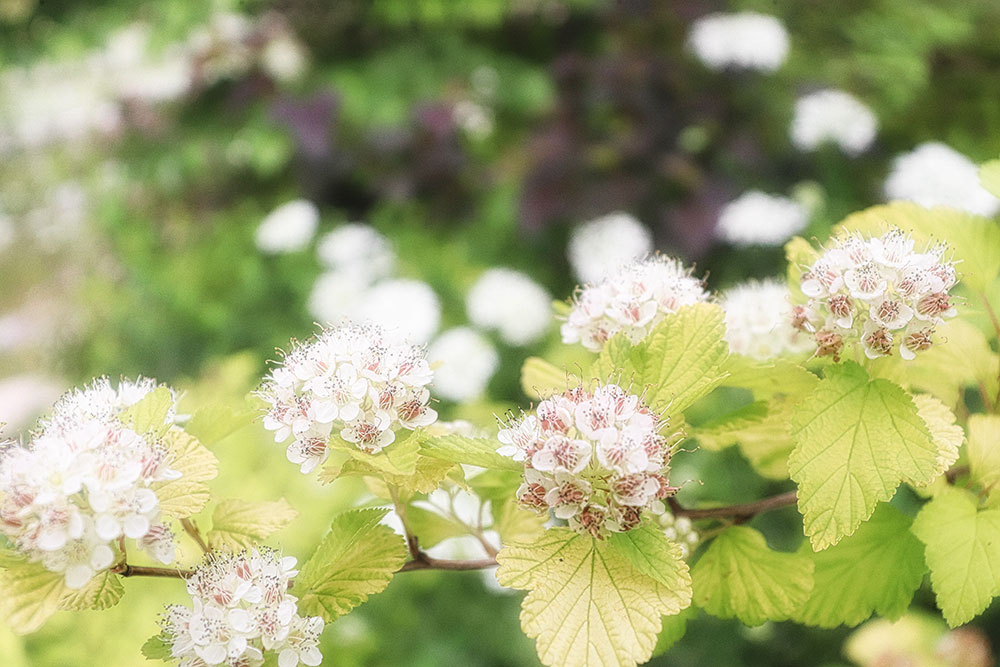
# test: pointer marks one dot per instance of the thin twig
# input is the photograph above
(425, 562)
(191, 529)
(744, 511)
(954, 473)
(412, 542)
(126, 570)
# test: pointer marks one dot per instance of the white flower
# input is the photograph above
(680, 531)
(756, 218)
(834, 116)
(357, 251)
(759, 321)
(350, 380)
(407, 308)
(475, 119)
(744, 40)
(464, 363)
(601, 246)
(634, 300)
(288, 228)
(283, 58)
(594, 457)
(934, 174)
(876, 292)
(510, 302)
(240, 610)
(336, 295)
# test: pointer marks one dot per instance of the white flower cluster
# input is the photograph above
(358, 250)
(877, 292)
(288, 228)
(513, 304)
(241, 608)
(679, 530)
(759, 321)
(743, 40)
(598, 247)
(835, 116)
(83, 482)
(757, 218)
(934, 174)
(634, 299)
(350, 381)
(465, 361)
(596, 458)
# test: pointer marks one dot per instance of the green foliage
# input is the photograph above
(962, 551)
(397, 458)
(357, 558)
(984, 451)
(212, 423)
(588, 604)
(673, 630)
(989, 175)
(187, 495)
(29, 595)
(540, 379)
(432, 528)
(739, 576)
(856, 440)
(150, 413)
(472, 451)
(239, 524)
(767, 379)
(516, 524)
(156, 648)
(877, 569)
(681, 360)
(105, 590)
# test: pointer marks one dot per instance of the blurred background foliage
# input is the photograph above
(472, 134)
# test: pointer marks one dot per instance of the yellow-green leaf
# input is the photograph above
(540, 379)
(150, 413)
(104, 591)
(984, 450)
(739, 576)
(515, 523)
(398, 458)
(187, 495)
(940, 422)
(472, 451)
(29, 595)
(768, 378)
(238, 524)
(989, 176)
(212, 423)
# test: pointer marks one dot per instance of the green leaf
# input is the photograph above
(29, 595)
(540, 379)
(472, 451)
(150, 413)
(726, 430)
(768, 378)
(984, 450)
(187, 495)
(989, 176)
(673, 630)
(430, 527)
(878, 569)
(238, 524)
(398, 458)
(212, 423)
(962, 551)
(800, 254)
(975, 240)
(945, 433)
(856, 440)
(496, 485)
(427, 474)
(357, 558)
(516, 524)
(587, 604)
(157, 648)
(960, 359)
(739, 576)
(681, 360)
(104, 591)
(764, 439)
(648, 550)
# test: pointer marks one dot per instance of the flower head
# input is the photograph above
(410, 308)
(510, 302)
(240, 610)
(759, 321)
(633, 299)
(595, 458)
(85, 481)
(358, 251)
(600, 246)
(743, 40)
(877, 292)
(467, 362)
(350, 381)
(288, 228)
(756, 218)
(933, 174)
(833, 116)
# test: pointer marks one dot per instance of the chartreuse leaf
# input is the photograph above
(940, 422)
(29, 595)
(768, 378)
(588, 604)
(974, 240)
(104, 591)
(540, 379)
(357, 558)
(515, 523)
(238, 524)
(800, 254)
(877, 569)
(739, 576)
(432, 528)
(989, 176)
(962, 551)
(426, 476)
(212, 423)
(984, 450)
(150, 413)
(157, 648)
(472, 451)
(649, 551)
(856, 440)
(187, 495)
(673, 630)
(962, 358)
(679, 361)
(397, 458)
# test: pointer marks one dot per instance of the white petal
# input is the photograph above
(77, 576)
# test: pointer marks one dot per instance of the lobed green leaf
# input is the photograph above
(239, 524)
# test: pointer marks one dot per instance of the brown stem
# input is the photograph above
(126, 570)
(425, 562)
(954, 473)
(744, 511)
(191, 529)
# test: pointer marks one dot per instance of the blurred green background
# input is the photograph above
(142, 143)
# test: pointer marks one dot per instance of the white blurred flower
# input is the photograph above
(465, 363)
(336, 295)
(510, 302)
(934, 174)
(409, 308)
(834, 116)
(605, 244)
(474, 119)
(744, 40)
(759, 321)
(757, 218)
(288, 228)
(358, 250)
(634, 300)
(284, 58)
